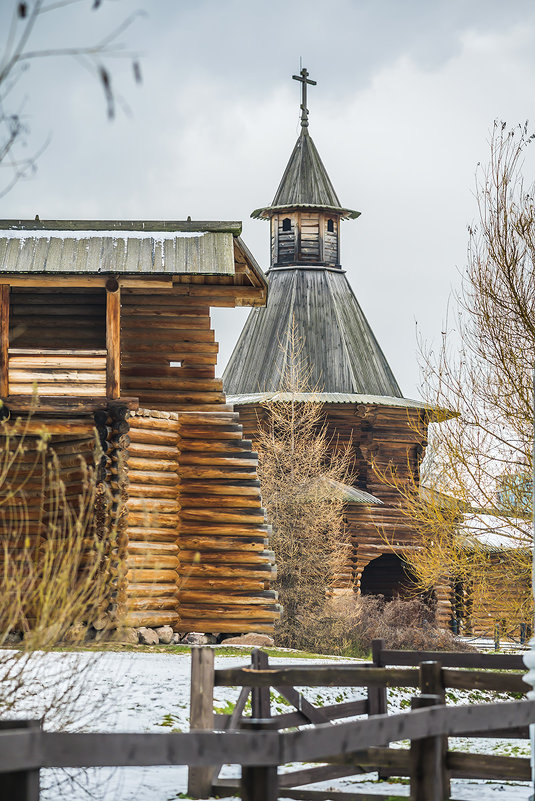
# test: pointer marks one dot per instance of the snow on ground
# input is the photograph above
(150, 693)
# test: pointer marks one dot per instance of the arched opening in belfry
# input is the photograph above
(387, 575)
(330, 226)
(286, 224)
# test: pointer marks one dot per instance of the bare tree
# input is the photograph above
(302, 479)
(17, 55)
(482, 374)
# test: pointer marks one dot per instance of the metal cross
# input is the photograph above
(303, 78)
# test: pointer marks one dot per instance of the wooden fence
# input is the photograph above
(434, 674)
(260, 746)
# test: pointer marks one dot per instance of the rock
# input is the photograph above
(13, 638)
(165, 634)
(147, 636)
(125, 635)
(176, 638)
(102, 622)
(75, 633)
(250, 639)
(195, 638)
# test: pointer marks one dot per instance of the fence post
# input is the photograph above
(258, 782)
(201, 714)
(432, 683)
(21, 785)
(426, 757)
(496, 636)
(260, 696)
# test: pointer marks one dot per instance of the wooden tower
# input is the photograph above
(310, 297)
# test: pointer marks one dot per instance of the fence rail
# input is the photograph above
(262, 744)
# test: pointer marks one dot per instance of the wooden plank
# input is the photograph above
(488, 766)
(484, 680)
(317, 676)
(4, 341)
(454, 660)
(113, 344)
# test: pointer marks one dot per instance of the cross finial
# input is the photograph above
(304, 80)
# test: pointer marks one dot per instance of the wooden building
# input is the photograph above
(310, 296)
(111, 322)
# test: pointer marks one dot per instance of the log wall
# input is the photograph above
(197, 553)
(169, 352)
(378, 436)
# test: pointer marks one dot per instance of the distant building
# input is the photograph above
(309, 296)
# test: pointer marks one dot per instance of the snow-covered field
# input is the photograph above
(150, 692)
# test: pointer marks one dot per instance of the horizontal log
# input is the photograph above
(76, 389)
(253, 516)
(151, 477)
(261, 571)
(225, 559)
(153, 505)
(152, 520)
(188, 445)
(153, 436)
(228, 529)
(228, 473)
(484, 680)
(153, 603)
(194, 597)
(190, 582)
(152, 465)
(140, 575)
(150, 534)
(227, 626)
(152, 589)
(151, 491)
(146, 451)
(157, 424)
(152, 561)
(248, 460)
(222, 543)
(227, 613)
(488, 766)
(220, 487)
(156, 548)
(151, 618)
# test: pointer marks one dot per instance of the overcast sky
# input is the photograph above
(407, 93)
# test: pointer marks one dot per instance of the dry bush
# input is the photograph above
(348, 624)
(56, 568)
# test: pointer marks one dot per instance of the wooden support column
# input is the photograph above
(113, 340)
(258, 783)
(4, 340)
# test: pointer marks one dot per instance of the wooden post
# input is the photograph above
(4, 341)
(113, 340)
(260, 696)
(21, 785)
(432, 683)
(201, 714)
(377, 696)
(258, 783)
(426, 759)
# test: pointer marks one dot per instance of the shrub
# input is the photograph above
(349, 623)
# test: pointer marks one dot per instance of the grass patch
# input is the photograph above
(229, 651)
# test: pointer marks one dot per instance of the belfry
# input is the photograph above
(310, 300)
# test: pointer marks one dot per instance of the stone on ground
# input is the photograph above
(148, 636)
(165, 634)
(250, 639)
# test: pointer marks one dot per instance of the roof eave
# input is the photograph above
(268, 211)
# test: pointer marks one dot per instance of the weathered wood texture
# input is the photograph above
(197, 537)
(57, 373)
(4, 341)
(226, 567)
(377, 437)
(169, 351)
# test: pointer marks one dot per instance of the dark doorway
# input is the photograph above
(387, 575)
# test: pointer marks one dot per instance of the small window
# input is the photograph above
(286, 224)
(330, 226)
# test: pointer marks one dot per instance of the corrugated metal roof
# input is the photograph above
(76, 247)
(493, 533)
(354, 495)
(337, 344)
(326, 397)
(305, 182)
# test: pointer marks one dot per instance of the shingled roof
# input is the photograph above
(339, 348)
(305, 183)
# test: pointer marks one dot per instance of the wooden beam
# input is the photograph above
(113, 344)
(4, 341)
